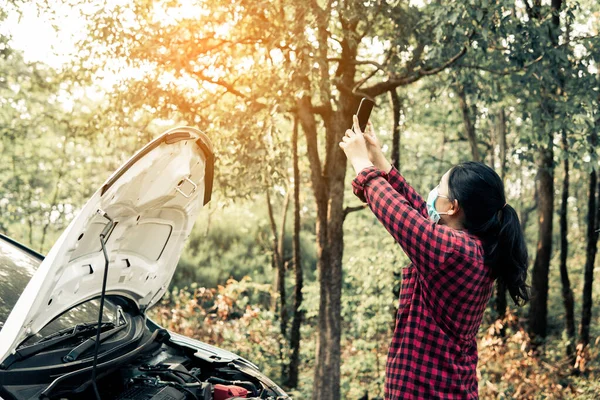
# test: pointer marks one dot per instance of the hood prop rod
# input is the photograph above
(103, 235)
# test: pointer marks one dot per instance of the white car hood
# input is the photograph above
(154, 199)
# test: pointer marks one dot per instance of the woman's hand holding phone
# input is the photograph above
(354, 145)
(363, 126)
(376, 156)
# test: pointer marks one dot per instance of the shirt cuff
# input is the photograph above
(359, 183)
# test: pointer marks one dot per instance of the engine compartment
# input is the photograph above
(171, 372)
(172, 380)
(155, 369)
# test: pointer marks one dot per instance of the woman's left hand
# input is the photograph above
(354, 145)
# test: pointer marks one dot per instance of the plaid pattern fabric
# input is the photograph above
(445, 289)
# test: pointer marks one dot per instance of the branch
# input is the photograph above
(379, 68)
(349, 210)
(223, 84)
(382, 87)
(359, 62)
(502, 72)
(508, 71)
(463, 139)
(459, 139)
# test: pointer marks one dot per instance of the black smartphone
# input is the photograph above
(363, 113)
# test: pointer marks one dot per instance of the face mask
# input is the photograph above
(434, 215)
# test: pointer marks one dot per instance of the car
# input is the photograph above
(74, 324)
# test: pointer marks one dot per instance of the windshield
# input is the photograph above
(16, 269)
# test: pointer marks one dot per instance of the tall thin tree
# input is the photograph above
(397, 132)
(593, 224)
(501, 302)
(544, 187)
(567, 292)
(292, 376)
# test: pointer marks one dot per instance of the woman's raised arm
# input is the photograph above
(397, 181)
(427, 244)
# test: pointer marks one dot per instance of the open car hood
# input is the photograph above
(154, 199)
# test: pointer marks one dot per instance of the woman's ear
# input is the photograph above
(454, 209)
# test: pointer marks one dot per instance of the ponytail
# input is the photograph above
(511, 258)
(480, 192)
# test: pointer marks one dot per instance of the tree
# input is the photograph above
(545, 170)
(396, 101)
(469, 114)
(567, 292)
(292, 373)
(593, 227)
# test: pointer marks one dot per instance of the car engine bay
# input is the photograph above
(172, 380)
(142, 365)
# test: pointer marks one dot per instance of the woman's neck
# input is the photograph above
(455, 224)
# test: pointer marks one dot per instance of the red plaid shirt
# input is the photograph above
(445, 289)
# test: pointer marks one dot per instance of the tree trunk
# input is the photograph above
(30, 226)
(581, 202)
(593, 223)
(278, 249)
(335, 243)
(397, 111)
(501, 302)
(545, 190)
(292, 376)
(544, 182)
(279, 266)
(468, 123)
(567, 292)
(592, 247)
(326, 382)
(283, 318)
(501, 131)
(329, 195)
(275, 261)
(493, 137)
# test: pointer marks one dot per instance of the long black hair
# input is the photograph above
(480, 193)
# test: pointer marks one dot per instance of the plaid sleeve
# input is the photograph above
(364, 176)
(428, 245)
(398, 182)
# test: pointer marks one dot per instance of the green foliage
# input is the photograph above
(44, 152)
(225, 317)
(510, 369)
(235, 241)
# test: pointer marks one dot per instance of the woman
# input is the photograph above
(458, 241)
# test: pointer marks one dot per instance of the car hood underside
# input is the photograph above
(153, 201)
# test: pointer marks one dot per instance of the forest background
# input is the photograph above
(285, 266)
